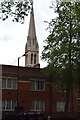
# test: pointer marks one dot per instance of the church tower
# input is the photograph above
(32, 47)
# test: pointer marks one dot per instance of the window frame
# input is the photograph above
(38, 105)
(60, 106)
(8, 105)
(37, 85)
(9, 83)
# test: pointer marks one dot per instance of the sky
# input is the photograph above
(13, 36)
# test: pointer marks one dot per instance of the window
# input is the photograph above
(14, 104)
(31, 58)
(9, 83)
(26, 58)
(60, 106)
(3, 105)
(38, 105)
(3, 83)
(33, 41)
(37, 85)
(35, 59)
(8, 105)
(14, 84)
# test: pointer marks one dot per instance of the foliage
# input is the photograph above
(17, 9)
(62, 49)
(62, 46)
(77, 9)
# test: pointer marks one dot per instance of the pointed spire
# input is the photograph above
(32, 47)
(32, 31)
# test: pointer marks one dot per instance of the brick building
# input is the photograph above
(35, 92)
(31, 88)
(28, 86)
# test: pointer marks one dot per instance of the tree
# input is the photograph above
(77, 9)
(62, 49)
(17, 9)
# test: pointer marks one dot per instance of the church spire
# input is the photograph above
(32, 47)
(32, 31)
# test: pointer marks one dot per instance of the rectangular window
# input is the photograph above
(8, 105)
(37, 85)
(9, 83)
(14, 104)
(60, 106)
(3, 104)
(14, 83)
(38, 105)
(3, 83)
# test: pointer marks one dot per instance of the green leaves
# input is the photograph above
(77, 9)
(17, 9)
(62, 47)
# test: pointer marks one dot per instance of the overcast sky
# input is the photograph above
(13, 36)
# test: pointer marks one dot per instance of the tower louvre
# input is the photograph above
(32, 47)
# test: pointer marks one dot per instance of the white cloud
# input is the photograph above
(13, 36)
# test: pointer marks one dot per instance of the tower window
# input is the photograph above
(33, 41)
(37, 46)
(35, 59)
(31, 58)
(26, 58)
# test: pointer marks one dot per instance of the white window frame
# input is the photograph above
(3, 104)
(3, 83)
(37, 85)
(9, 83)
(8, 105)
(13, 105)
(14, 83)
(60, 106)
(38, 105)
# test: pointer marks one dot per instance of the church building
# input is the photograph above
(29, 87)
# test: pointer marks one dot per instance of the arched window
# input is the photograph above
(27, 58)
(33, 41)
(35, 59)
(31, 58)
